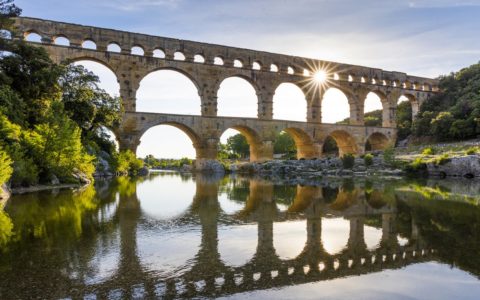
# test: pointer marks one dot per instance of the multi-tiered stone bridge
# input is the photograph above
(132, 56)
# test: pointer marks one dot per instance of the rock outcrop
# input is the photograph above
(463, 166)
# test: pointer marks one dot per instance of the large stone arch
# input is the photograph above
(197, 142)
(184, 74)
(249, 80)
(414, 102)
(388, 109)
(259, 149)
(377, 141)
(345, 141)
(306, 147)
(353, 106)
(294, 88)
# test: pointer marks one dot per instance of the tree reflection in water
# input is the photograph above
(99, 241)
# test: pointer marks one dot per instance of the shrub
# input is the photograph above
(348, 161)
(25, 172)
(472, 151)
(126, 162)
(442, 159)
(389, 156)
(368, 159)
(5, 167)
(428, 151)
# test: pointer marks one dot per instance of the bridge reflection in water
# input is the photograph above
(208, 275)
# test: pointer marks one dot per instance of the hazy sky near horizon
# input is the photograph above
(424, 38)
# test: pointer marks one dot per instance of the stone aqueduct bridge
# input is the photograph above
(208, 65)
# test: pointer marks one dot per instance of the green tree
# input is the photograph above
(441, 125)
(238, 145)
(284, 144)
(5, 167)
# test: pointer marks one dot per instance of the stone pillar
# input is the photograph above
(209, 100)
(206, 159)
(128, 141)
(308, 150)
(356, 240)
(356, 101)
(265, 104)
(389, 111)
(314, 106)
(261, 151)
(129, 84)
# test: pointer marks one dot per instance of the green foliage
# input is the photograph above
(389, 156)
(443, 159)
(156, 163)
(428, 151)
(453, 114)
(348, 161)
(330, 146)
(472, 151)
(126, 162)
(404, 120)
(5, 167)
(50, 114)
(238, 145)
(7, 11)
(368, 159)
(284, 144)
(85, 103)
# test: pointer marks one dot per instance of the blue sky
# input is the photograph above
(425, 38)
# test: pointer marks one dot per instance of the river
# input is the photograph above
(172, 235)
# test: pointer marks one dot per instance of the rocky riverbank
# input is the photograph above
(318, 167)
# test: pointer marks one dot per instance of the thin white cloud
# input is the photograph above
(442, 3)
(128, 5)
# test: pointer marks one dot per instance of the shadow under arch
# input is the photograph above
(345, 141)
(377, 141)
(303, 142)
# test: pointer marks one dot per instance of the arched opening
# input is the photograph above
(32, 37)
(178, 56)
(237, 63)
(256, 66)
(290, 71)
(330, 147)
(237, 251)
(199, 59)
(218, 61)
(336, 76)
(373, 110)
(168, 141)
(114, 47)
(61, 41)
(289, 103)
(335, 107)
(376, 141)
(237, 97)
(344, 141)
(289, 238)
(158, 53)
(306, 72)
(404, 118)
(89, 44)
(335, 234)
(240, 142)
(137, 50)
(284, 146)
(107, 78)
(297, 143)
(273, 68)
(169, 92)
(350, 78)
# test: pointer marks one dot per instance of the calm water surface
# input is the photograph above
(183, 236)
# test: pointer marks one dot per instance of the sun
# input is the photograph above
(320, 76)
